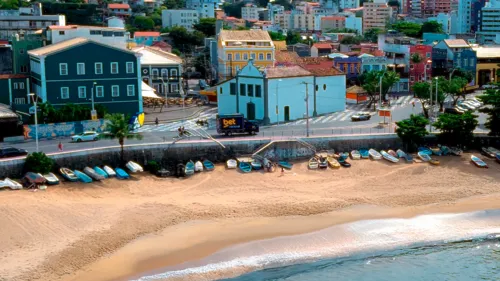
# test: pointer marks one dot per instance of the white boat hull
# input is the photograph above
(12, 184)
(374, 154)
(109, 171)
(232, 164)
(198, 166)
(134, 167)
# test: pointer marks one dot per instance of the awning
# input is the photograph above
(148, 92)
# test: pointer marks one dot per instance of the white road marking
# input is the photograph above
(347, 116)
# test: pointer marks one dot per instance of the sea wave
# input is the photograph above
(357, 238)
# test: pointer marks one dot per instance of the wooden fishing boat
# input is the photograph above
(400, 153)
(101, 172)
(364, 153)
(256, 165)
(82, 177)
(445, 150)
(343, 162)
(189, 168)
(355, 155)
(332, 162)
(198, 166)
(424, 156)
(285, 164)
(34, 178)
(434, 162)
(436, 150)
(68, 174)
(494, 150)
(313, 163)
(134, 167)
(389, 157)
(51, 179)
(497, 157)
(12, 184)
(486, 152)
(91, 173)
(231, 164)
(209, 166)
(408, 158)
(121, 174)
(322, 162)
(392, 153)
(109, 171)
(455, 151)
(425, 150)
(344, 154)
(245, 167)
(375, 154)
(478, 162)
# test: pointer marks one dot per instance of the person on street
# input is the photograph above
(60, 146)
(157, 121)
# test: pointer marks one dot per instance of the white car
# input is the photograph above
(467, 105)
(85, 136)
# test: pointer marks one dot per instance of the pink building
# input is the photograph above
(422, 70)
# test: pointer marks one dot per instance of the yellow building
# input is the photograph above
(236, 47)
(488, 61)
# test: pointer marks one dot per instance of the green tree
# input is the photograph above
(84, 14)
(174, 4)
(233, 10)
(143, 23)
(262, 3)
(277, 36)
(201, 65)
(460, 72)
(443, 87)
(408, 28)
(185, 40)
(351, 40)
(117, 127)
(370, 81)
(492, 101)
(456, 129)
(293, 37)
(285, 3)
(421, 91)
(371, 35)
(431, 27)
(457, 88)
(38, 162)
(9, 5)
(206, 26)
(412, 130)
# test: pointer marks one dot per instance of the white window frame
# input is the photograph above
(113, 87)
(155, 73)
(175, 88)
(163, 72)
(229, 57)
(269, 57)
(173, 73)
(67, 92)
(84, 92)
(245, 56)
(97, 91)
(15, 86)
(261, 56)
(78, 68)
(252, 56)
(60, 69)
(131, 65)
(130, 88)
(111, 69)
(19, 101)
(237, 57)
(95, 68)
(21, 85)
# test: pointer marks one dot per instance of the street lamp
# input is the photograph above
(164, 89)
(277, 111)
(380, 93)
(307, 107)
(451, 73)
(93, 113)
(36, 119)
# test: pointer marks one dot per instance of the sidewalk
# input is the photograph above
(173, 113)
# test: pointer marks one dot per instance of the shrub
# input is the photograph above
(153, 166)
(38, 162)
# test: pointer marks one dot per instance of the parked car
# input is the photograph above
(453, 110)
(6, 152)
(466, 105)
(361, 116)
(85, 136)
(489, 86)
(462, 107)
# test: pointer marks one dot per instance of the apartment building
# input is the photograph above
(185, 18)
(117, 37)
(376, 14)
(250, 12)
(332, 22)
(490, 23)
(205, 8)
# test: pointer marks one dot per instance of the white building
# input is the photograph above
(250, 12)
(444, 20)
(116, 22)
(274, 10)
(349, 4)
(490, 22)
(28, 20)
(118, 37)
(464, 17)
(277, 93)
(185, 18)
(353, 22)
(205, 8)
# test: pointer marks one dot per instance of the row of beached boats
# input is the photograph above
(191, 167)
(247, 165)
(97, 173)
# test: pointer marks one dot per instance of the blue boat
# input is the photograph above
(408, 158)
(285, 164)
(497, 156)
(68, 174)
(364, 153)
(425, 150)
(245, 167)
(101, 172)
(189, 168)
(445, 150)
(82, 177)
(121, 174)
(209, 166)
(478, 162)
(256, 165)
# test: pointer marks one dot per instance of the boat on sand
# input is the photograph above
(389, 157)
(355, 155)
(101, 172)
(209, 166)
(51, 179)
(189, 168)
(91, 173)
(109, 171)
(343, 162)
(231, 164)
(68, 174)
(478, 162)
(375, 154)
(285, 164)
(392, 153)
(424, 156)
(364, 153)
(332, 162)
(134, 167)
(245, 167)
(83, 177)
(12, 184)
(198, 166)
(313, 163)
(121, 174)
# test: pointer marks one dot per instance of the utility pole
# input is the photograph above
(307, 107)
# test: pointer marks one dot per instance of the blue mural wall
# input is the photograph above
(54, 130)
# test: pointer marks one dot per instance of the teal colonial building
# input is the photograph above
(160, 70)
(15, 90)
(75, 70)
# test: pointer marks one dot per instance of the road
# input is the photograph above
(338, 123)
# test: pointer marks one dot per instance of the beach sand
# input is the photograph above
(117, 229)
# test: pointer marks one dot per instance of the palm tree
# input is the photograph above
(117, 127)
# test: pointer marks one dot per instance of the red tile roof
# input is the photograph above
(118, 6)
(146, 34)
(323, 45)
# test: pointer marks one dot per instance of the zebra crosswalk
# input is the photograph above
(174, 126)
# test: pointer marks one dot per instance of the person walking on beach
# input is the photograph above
(60, 146)
(282, 172)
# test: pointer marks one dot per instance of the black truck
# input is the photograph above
(235, 124)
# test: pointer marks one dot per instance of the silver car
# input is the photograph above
(86, 136)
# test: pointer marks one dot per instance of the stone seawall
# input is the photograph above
(169, 154)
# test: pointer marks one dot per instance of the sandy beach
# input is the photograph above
(114, 230)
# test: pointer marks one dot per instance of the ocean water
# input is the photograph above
(430, 247)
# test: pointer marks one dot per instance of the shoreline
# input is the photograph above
(147, 258)
(113, 230)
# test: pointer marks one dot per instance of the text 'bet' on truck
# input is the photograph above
(235, 124)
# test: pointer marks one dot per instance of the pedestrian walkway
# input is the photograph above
(188, 124)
